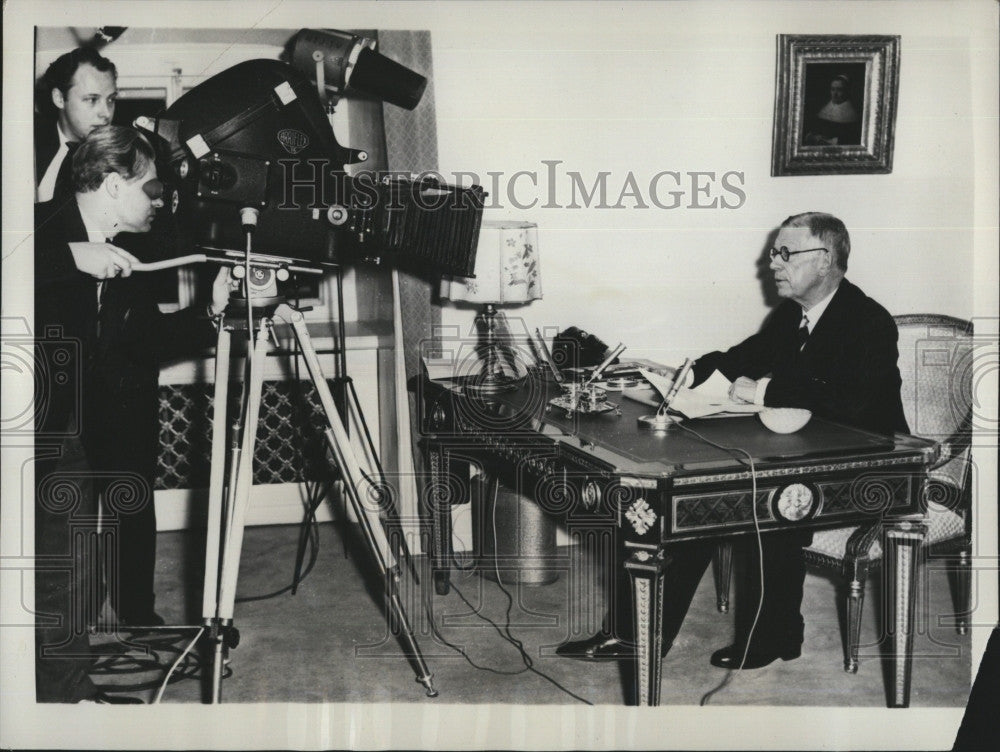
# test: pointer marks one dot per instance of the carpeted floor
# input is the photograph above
(330, 641)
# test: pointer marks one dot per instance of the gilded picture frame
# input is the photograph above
(835, 104)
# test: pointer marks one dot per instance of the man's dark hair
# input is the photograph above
(59, 74)
(828, 230)
(110, 148)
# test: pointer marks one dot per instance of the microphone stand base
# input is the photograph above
(656, 422)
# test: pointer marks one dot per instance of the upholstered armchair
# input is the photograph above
(935, 362)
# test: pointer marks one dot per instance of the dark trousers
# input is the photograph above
(780, 622)
(66, 587)
(129, 564)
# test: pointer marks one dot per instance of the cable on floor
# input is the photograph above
(458, 649)
(510, 604)
(504, 633)
(315, 493)
(735, 452)
(173, 667)
(152, 645)
(507, 636)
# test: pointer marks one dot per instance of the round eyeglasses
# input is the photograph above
(787, 254)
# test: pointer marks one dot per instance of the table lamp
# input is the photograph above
(506, 274)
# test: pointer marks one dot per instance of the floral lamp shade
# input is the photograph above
(507, 270)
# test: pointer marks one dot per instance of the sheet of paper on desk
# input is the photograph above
(708, 398)
(645, 394)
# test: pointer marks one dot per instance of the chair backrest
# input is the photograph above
(936, 362)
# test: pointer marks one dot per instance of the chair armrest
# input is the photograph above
(861, 540)
(956, 444)
(946, 453)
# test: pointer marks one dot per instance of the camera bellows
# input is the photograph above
(416, 223)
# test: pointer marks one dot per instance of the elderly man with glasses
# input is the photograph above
(828, 348)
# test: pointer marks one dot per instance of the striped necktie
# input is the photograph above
(803, 332)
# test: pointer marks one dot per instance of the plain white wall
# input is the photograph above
(651, 87)
(640, 88)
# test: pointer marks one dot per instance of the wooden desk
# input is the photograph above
(657, 488)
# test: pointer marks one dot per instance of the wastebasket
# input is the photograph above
(518, 538)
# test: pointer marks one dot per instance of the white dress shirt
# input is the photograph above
(96, 234)
(47, 185)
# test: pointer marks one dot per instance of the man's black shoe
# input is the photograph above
(106, 698)
(600, 647)
(732, 656)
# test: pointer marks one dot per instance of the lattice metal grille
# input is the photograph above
(290, 447)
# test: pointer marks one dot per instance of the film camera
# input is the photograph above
(258, 136)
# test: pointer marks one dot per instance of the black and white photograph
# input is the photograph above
(453, 375)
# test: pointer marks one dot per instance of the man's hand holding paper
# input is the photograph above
(744, 389)
(711, 397)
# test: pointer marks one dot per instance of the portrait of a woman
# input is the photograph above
(833, 111)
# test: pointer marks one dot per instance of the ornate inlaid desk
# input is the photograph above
(655, 488)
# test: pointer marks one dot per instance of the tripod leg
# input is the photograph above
(210, 593)
(389, 506)
(232, 545)
(218, 661)
(356, 486)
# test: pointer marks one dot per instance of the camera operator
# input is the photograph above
(78, 93)
(84, 286)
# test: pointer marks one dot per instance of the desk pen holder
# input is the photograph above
(583, 398)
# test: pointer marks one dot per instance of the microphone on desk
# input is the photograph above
(661, 420)
(679, 379)
(548, 357)
(619, 349)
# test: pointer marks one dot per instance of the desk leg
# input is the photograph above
(645, 570)
(439, 502)
(903, 543)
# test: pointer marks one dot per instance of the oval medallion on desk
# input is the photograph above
(795, 502)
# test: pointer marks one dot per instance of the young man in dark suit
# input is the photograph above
(77, 93)
(106, 396)
(827, 348)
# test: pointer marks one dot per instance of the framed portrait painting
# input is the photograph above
(835, 104)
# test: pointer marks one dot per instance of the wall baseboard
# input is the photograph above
(282, 504)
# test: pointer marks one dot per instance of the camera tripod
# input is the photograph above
(229, 488)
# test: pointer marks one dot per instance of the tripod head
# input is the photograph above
(257, 277)
(260, 286)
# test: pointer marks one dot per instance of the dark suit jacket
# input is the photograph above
(116, 352)
(46, 145)
(847, 371)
